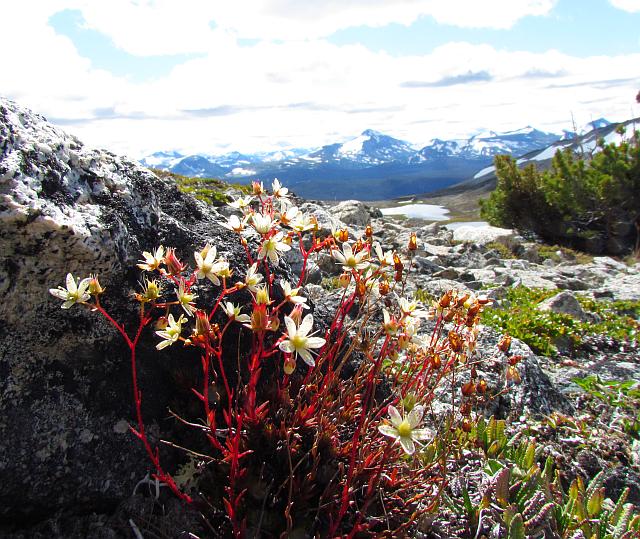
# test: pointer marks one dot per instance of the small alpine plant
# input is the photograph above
(334, 445)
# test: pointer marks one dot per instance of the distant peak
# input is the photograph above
(372, 133)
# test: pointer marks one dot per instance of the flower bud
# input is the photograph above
(482, 386)
(174, 265)
(368, 231)
(466, 425)
(94, 286)
(203, 327)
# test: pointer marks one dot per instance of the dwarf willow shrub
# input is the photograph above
(521, 317)
(319, 429)
(578, 202)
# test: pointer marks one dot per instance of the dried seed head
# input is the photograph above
(482, 386)
(505, 343)
(455, 341)
(289, 364)
(344, 279)
(514, 359)
(513, 375)
(383, 287)
(445, 300)
(342, 235)
(413, 242)
(468, 389)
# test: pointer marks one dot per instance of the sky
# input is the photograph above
(214, 76)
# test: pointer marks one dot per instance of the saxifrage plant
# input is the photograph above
(305, 430)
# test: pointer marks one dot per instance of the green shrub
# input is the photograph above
(578, 202)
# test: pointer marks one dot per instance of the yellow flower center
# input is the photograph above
(298, 342)
(404, 429)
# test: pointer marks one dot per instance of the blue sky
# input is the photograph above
(146, 75)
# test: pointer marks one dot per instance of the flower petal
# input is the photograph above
(407, 444)
(307, 357)
(388, 430)
(315, 342)
(291, 326)
(306, 325)
(422, 434)
(71, 283)
(415, 415)
(394, 415)
(286, 346)
(59, 293)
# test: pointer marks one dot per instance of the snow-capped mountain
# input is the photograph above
(600, 123)
(162, 160)
(370, 148)
(370, 166)
(486, 144)
(585, 144)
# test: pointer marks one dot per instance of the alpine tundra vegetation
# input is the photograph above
(251, 365)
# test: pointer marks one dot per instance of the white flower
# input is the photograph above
(272, 246)
(390, 325)
(278, 190)
(262, 223)
(253, 278)
(404, 430)
(289, 215)
(385, 259)
(74, 293)
(171, 333)
(241, 203)
(205, 262)
(410, 308)
(302, 222)
(349, 260)
(185, 299)
(299, 342)
(235, 224)
(153, 260)
(233, 312)
(293, 294)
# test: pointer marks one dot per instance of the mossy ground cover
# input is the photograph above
(213, 191)
(520, 316)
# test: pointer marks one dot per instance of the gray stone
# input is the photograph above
(65, 389)
(354, 212)
(565, 303)
(485, 234)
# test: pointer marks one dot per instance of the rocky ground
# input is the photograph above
(68, 462)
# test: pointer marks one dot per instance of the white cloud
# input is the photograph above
(632, 6)
(159, 27)
(303, 93)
